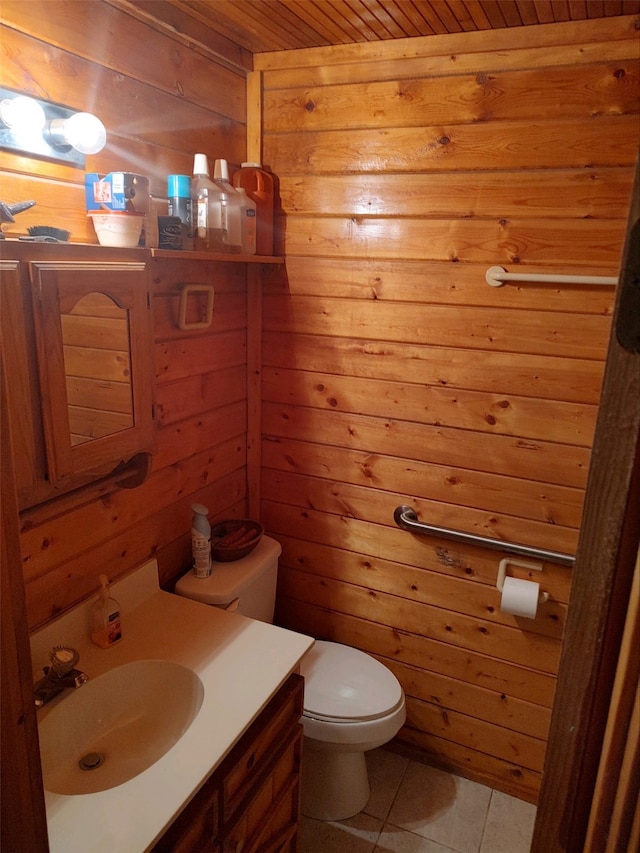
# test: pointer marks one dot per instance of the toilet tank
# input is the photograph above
(247, 586)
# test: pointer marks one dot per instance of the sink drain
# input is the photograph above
(91, 760)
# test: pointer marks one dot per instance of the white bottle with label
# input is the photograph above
(201, 541)
(249, 208)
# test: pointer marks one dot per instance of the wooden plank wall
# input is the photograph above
(393, 374)
(200, 455)
(161, 102)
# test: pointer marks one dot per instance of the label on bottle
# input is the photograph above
(201, 551)
(114, 628)
(249, 231)
(180, 207)
(203, 210)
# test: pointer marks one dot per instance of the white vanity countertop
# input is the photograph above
(241, 663)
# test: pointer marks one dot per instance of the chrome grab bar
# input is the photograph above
(406, 518)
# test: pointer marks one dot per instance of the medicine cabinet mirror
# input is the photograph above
(94, 343)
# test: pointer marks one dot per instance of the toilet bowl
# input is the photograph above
(352, 702)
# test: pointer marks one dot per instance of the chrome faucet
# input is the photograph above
(60, 676)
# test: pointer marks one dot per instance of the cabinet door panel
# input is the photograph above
(94, 357)
(196, 829)
(269, 821)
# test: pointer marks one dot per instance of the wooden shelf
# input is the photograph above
(216, 256)
(178, 254)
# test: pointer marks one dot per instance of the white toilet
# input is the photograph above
(352, 703)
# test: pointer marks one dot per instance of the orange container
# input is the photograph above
(259, 186)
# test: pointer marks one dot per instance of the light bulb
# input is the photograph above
(22, 114)
(85, 133)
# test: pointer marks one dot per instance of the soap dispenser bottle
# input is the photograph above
(106, 626)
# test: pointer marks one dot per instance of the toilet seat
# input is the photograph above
(346, 685)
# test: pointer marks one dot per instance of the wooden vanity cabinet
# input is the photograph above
(196, 829)
(250, 803)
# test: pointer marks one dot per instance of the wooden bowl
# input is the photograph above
(234, 539)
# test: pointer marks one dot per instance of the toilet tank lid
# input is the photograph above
(228, 580)
(343, 683)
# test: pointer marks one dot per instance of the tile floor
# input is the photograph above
(414, 808)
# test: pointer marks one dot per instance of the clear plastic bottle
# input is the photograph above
(201, 541)
(260, 187)
(233, 206)
(248, 222)
(210, 232)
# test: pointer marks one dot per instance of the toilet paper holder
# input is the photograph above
(524, 564)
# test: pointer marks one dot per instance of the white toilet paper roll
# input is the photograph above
(520, 597)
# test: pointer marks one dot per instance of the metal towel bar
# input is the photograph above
(496, 277)
(406, 518)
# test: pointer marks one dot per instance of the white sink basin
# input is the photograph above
(111, 729)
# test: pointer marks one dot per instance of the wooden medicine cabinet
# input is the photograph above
(78, 343)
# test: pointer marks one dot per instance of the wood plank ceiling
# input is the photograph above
(257, 26)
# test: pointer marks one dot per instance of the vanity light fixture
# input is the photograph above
(22, 114)
(41, 129)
